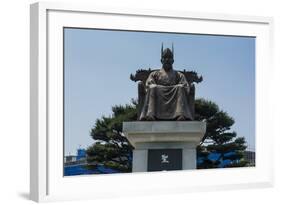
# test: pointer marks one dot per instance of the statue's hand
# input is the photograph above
(184, 86)
(152, 85)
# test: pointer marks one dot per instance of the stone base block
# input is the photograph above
(164, 136)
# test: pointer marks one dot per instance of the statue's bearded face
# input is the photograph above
(167, 59)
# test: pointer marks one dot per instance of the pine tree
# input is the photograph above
(111, 148)
(220, 146)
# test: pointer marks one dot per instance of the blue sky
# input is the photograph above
(98, 64)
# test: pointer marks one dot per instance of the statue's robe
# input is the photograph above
(166, 96)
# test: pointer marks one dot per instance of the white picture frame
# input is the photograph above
(46, 139)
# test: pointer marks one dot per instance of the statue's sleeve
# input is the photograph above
(182, 79)
(150, 80)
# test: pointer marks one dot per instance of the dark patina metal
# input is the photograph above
(166, 94)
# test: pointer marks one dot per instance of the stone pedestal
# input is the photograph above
(171, 144)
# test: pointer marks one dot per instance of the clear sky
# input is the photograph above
(98, 64)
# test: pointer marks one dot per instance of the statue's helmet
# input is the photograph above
(167, 53)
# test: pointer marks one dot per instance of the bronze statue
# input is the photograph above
(166, 94)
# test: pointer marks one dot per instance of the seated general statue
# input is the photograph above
(167, 93)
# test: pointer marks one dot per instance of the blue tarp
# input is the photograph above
(215, 156)
(80, 169)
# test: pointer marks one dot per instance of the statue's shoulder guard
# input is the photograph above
(192, 76)
(141, 75)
